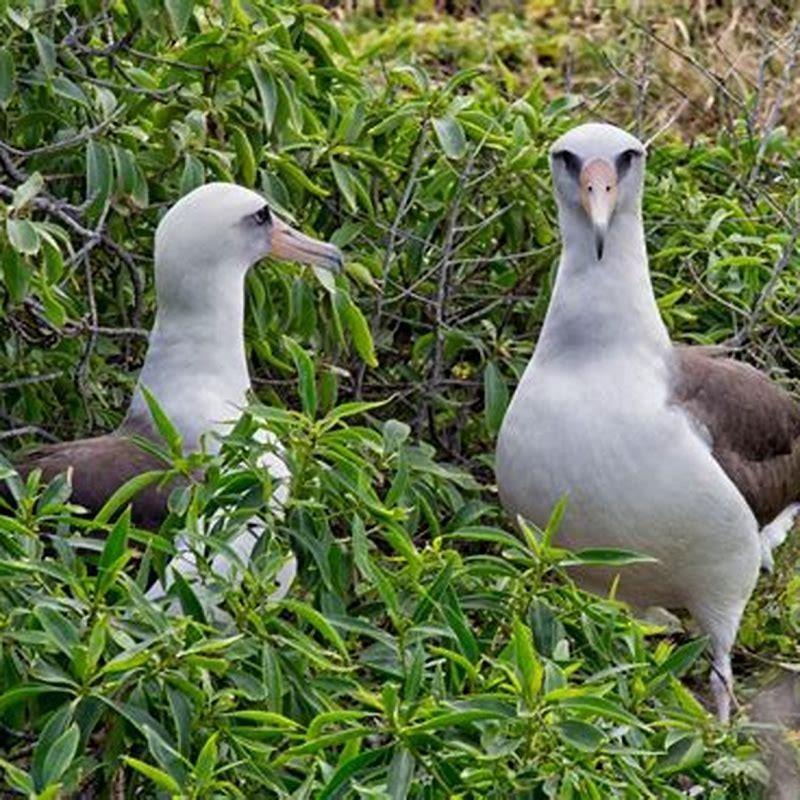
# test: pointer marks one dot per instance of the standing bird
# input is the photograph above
(665, 450)
(195, 365)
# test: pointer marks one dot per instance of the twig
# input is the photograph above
(22, 427)
(83, 364)
(758, 307)
(64, 144)
(668, 124)
(417, 157)
(442, 292)
(25, 429)
(30, 379)
(777, 103)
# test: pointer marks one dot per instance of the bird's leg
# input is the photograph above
(722, 683)
(721, 624)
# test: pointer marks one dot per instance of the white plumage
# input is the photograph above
(593, 416)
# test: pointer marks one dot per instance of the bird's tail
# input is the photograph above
(774, 534)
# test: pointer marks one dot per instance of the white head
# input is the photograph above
(212, 236)
(598, 172)
(196, 364)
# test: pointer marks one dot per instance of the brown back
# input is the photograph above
(99, 467)
(753, 423)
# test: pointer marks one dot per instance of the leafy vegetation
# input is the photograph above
(426, 649)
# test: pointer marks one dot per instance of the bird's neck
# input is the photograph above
(602, 305)
(195, 365)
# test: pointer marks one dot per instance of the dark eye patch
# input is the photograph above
(263, 215)
(624, 161)
(570, 161)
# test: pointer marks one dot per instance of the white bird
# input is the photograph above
(195, 365)
(665, 450)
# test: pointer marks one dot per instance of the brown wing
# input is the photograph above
(754, 426)
(99, 467)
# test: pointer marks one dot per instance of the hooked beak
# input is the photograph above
(288, 244)
(598, 182)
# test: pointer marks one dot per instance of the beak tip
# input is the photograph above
(599, 246)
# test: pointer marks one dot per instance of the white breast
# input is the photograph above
(637, 474)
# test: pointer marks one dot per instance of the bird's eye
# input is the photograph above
(570, 161)
(263, 215)
(624, 161)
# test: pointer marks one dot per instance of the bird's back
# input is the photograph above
(98, 467)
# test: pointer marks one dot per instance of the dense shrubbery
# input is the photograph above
(426, 651)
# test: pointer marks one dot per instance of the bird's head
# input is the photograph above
(225, 228)
(598, 172)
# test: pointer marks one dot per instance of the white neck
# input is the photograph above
(599, 306)
(195, 365)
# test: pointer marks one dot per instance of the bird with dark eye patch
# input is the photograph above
(673, 452)
(570, 161)
(263, 215)
(624, 160)
(195, 365)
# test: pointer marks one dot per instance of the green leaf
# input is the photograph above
(8, 77)
(318, 621)
(207, 760)
(244, 156)
(346, 183)
(582, 735)
(125, 165)
(180, 12)
(349, 769)
(267, 91)
(401, 773)
(23, 235)
(64, 87)
(607, 557)
(20, 694)
(113, 557)
(168, 432)
(53, 309)
(193, 174)
(189, 601)
(603, 707)
(58, 627)
(125, 493)
(46, 50)
(25, 192)
(55, 727)
(684, 754)
(529, 668)
(16, 275)
(679, 661)
(454, 719)
(495, 397)
(306, 376)
(161, 779)
(99, 175)
(451, 136)
(60, 755)
(358, 327)
(17, 778)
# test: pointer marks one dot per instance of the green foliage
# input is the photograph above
(425, 650)
(424, 653)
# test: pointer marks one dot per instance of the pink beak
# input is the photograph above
(288, 244)
(598, 181)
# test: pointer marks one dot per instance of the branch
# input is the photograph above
(30, 379)
(758, 307)
(64, 144)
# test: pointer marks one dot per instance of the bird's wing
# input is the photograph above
(99, 467)
(752, 424)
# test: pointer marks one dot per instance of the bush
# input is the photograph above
(425, 650)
